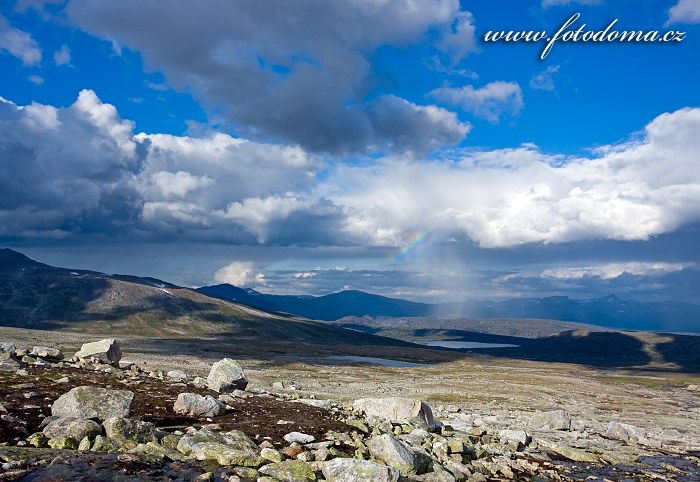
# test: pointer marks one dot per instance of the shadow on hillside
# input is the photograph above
(597, 349)
(683, 350)
(470, 336)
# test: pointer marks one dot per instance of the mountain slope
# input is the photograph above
(39, 296)
(608, 311)
(328, 307)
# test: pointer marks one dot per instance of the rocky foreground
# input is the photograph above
(95, 417)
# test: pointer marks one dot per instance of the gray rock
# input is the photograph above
(225, 376)
(397, 409)
(227, 448)
(48, 353)
(625, 432)
(327, 404)
(299, 437)
(553, 420)
(354, 470)
(289, 471)
(177, 375)
(407, 460)
(7, 347)
(76, 428)
(518, 437)
(198, 406)
(106, 351)
(129, 432)
(93, 402)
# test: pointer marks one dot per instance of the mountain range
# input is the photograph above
(609, 311)
(38, 296)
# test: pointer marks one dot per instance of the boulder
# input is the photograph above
(625, 432)
(105, 351)
(227, 448)
(518, 438)
(63, 443)
(76, 428)
(177, 375)
(299, 437)
(93, 402)
(289, 471)
(407, 460)
(48, 353)
(129, 432)
(396, 409)
(226, 376)
(198, 406)
(354, 470)
(552, 420)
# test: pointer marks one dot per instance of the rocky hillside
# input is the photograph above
(94, 417)
(35, 295)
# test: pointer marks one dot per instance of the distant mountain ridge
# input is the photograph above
(608, 311)
(39, 296)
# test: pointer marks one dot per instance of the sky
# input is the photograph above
(409, 148)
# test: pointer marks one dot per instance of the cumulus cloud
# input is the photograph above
(297, 72)
(19, 44)
(219, 188)
(509, 197)
(543, 80)
(489, 102)
(413, 128)
(62, 56)
(685, 11)
(55, 185)
(243, 274)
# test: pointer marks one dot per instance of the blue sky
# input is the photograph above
(312, 146)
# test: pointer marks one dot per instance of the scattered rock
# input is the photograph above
(401, 456)
(354, 470)
(299, 437)
(129, 432)
(552, 420)
(177, 375)
(227, 448)
(63, 443)
(198, 406)
(397, 409)
(48, 353)
(625, 432)
(105, 351)
(76, 428)
(93, 402)
(289, 471)
(225, 376)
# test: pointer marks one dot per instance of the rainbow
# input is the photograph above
(415, 241)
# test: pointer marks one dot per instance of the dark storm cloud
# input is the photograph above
(288, 71)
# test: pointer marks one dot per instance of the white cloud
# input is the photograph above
(180, 183)
(224, 189)
(243, 274)
(19, 44)
(630, 192)
(35, 79)
(489, 102)
(608, 271)
(62, 56)
(685, 11)
(543, 80)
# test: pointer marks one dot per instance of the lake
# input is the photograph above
(468, 344)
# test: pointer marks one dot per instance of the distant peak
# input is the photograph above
(11, 257)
